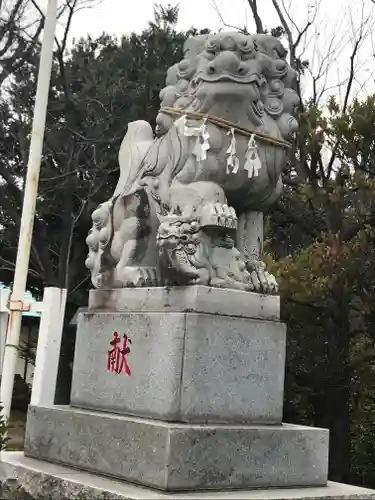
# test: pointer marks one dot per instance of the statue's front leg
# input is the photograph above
(250, 244)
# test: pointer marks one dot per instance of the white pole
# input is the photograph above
(28, 210)
(48, 349)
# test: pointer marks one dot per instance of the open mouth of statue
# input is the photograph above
(227, 77)
(201, 87)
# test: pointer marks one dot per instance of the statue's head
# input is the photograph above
(242, 78)
(178, 232)
(228, 73)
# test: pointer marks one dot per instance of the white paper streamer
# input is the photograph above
(233, 163)
(202, 144)
(252, 163)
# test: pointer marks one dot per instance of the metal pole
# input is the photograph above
(28, 210)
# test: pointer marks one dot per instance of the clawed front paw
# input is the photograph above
(262, 280)
(138, 276)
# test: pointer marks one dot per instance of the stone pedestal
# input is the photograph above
(193, 401)
(184, 366)
(179, 457)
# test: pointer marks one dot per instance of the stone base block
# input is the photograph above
(189, 367)
(24, 478)
(175, 457)
(196, 298)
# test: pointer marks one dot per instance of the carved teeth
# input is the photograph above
(217, 214)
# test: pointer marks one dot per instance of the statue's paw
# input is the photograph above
(218, 214)
(136, 277)
(262, 280)
(229, 282)
(202, 277)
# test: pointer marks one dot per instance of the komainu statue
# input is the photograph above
(182, 210)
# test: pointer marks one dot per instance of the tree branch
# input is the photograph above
(288, 32)
(68, 23)
(257, 19)
(353, 55)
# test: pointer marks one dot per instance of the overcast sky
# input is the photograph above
(124, 16)
(335, 23)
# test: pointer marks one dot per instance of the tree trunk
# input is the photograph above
(334, 413)
(338, 406)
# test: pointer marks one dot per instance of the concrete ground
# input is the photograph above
(23, 478)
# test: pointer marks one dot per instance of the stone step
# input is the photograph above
(176, 456)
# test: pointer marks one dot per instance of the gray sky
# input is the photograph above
(335, 24)
(123, 16)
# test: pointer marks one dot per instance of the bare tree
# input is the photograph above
(19, 35)
(257, 19)
(21, 25)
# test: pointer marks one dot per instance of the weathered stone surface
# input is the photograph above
(197, 298)
(233, 370)
(184, 367)
(31, 479)
(155, 363)
(178, 456)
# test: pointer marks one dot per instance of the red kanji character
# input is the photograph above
(117, 361)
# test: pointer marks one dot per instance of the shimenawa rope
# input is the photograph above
(226, 124)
